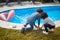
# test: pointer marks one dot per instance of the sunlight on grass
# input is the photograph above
(9, 34)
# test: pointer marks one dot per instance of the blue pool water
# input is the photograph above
(22, 14)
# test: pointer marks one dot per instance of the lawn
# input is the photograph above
(9, 34)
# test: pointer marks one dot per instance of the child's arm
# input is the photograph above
(38, 22)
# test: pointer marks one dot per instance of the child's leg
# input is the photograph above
(48, 26)
(36, 26)
(51, 28)
(24, 28)
(30, 28)
(10, 15)
(46, 29)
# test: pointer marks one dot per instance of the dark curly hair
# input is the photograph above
(44, 15)
(39, 10)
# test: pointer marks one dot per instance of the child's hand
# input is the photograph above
(38, 26)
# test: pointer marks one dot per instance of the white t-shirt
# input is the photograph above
(48, 21)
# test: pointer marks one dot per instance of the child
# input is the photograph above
(31, 20)
(48, 23)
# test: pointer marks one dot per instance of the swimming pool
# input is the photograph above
(22, 14)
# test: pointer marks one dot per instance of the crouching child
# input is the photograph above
(48, 23)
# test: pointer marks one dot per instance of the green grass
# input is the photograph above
(9, 34)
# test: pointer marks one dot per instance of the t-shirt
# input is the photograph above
(33, 17)
(48, 21)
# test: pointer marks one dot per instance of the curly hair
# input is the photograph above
(44, 15)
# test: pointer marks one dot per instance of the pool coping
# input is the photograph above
(15, 26)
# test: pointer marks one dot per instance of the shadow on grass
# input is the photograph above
(9, 34)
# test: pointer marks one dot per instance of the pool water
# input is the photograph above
(22, 14)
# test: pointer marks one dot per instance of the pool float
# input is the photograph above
(3, 16)
(10, 15)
